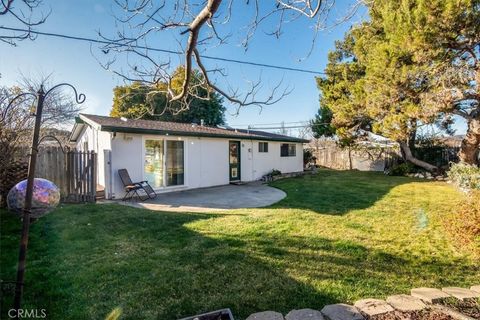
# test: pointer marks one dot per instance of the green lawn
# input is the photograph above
(337, 237)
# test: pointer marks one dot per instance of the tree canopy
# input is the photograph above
(142, 101)
(414, 63)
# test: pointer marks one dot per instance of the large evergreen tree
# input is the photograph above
(443, 37)
(141, 101)
(393, 77)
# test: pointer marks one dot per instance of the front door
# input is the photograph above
(234, 152)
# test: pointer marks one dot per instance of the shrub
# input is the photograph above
(308, 157)
(464, 224)
(465, 176)
(401, 169)
(275, 172)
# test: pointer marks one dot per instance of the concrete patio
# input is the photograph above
(251, 195)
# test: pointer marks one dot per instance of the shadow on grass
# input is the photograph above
(86, 260)
(337, 192)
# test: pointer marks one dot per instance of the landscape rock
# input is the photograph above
(304, 314)
(406, 303)
(475, 288)
(266, 315)
(341, 311)
(430, 295)
(373, 307)
(461, 293)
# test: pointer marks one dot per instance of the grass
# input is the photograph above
(337, 237)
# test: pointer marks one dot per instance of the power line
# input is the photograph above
(78, 38)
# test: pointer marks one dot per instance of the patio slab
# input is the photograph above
(250, 195)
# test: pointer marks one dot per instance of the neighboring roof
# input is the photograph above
(111, 124)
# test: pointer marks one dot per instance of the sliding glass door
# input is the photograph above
(154, 162)
(175, 166)
(164, 163)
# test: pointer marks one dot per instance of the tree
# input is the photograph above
(365, 90)
(341, 100)
(444, 37)
(398, 84)
(138, 100)
(195, 26)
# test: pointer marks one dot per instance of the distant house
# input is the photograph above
(175, 156)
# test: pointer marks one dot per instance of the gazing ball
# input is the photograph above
(46, 197)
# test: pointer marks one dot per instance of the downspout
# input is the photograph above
(253, 163)
(110, 166)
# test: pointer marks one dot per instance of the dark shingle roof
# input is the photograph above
(174, 128)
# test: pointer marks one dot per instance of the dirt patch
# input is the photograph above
(469, 307)
(426, 314)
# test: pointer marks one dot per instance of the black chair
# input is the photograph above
(133, 188)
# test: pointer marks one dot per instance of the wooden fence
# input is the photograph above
(74, 172)
(364, 159)
(379, 159)
(81, 176)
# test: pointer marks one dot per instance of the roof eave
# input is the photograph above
(195, 134)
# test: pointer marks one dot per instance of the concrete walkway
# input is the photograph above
(251, 195)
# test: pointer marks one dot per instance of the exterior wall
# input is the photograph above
(96, 141)
(206, 162)
(206, 159)
(256, 164)
(103, 143)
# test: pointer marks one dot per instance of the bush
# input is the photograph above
(465, 176)
(275, 172)
(401, 169)
(308, 157)
(464, 224)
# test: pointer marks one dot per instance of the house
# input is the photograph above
(176, 156)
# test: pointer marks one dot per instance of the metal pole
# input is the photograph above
(28, 201)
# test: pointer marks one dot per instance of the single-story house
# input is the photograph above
(176, 156)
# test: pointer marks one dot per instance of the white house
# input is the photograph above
(175, 156)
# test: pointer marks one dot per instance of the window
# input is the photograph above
(263, 147)
(288, 150)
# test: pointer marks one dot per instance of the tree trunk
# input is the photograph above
(471, 143)
(412, 138)
(350, 158)
(407, 155)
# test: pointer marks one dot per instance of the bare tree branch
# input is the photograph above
(196, 25)
(25, 14)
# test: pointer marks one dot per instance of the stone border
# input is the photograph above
(419, 299)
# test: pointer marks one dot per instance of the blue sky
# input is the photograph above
(73, 61)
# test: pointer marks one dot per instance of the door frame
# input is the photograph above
(165, 139)
(239, 163)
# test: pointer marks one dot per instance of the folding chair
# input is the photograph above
(133, 188)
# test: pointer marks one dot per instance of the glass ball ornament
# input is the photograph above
(46, 197)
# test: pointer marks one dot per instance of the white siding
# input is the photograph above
(207, 162)
(127, 153)
(256, 164)
(206, 159)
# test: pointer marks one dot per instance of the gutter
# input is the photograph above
(195, 134)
